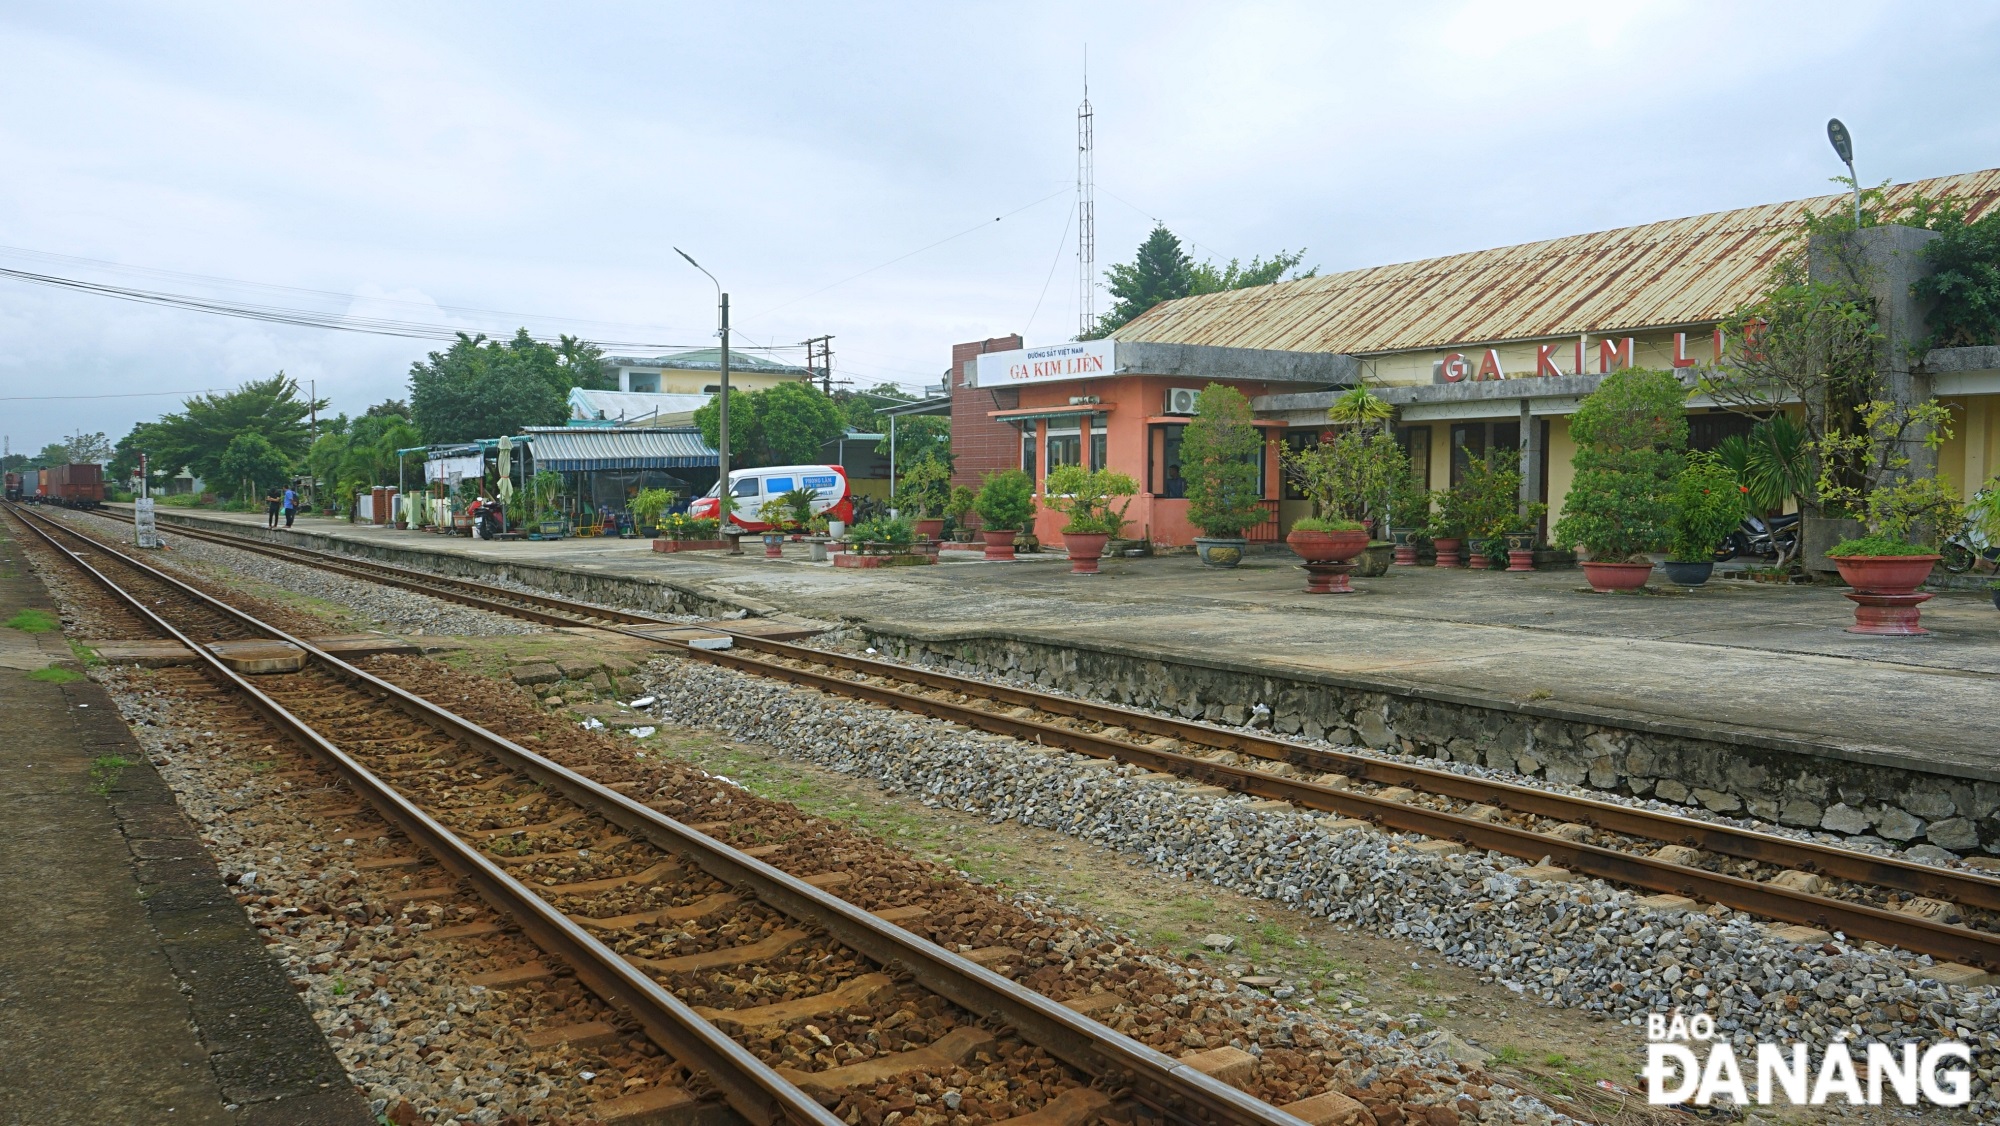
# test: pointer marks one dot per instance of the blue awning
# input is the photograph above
(582, 449)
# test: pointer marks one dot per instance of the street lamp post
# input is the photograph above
(724, 499)
(1843, 144)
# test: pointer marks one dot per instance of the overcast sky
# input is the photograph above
(416, 161)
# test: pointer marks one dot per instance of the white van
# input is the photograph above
(752, 487)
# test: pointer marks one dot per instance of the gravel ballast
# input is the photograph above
(389, 608)
(1584, 944)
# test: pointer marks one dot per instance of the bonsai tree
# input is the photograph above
(1006, 501)
(1708, 502)
(647, 505)
(775, 512)
(1409, 507)
(1219, 452)
(1486, 503)
(958, 505)
(924, 489)
(1630, 434)
(1085, 496)
(1350, 475)
(1906, 513)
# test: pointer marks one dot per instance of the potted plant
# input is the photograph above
(1219, 462)
(1006, 503)
(922, 494)
(1519, 537)
(1708, 503)
(1486, 505)
(1629, 434)
(777, 516)
(646, 506)
(681, 532)
(1409, 517)
(955, 510)
(1318, 539)
(1086, 496)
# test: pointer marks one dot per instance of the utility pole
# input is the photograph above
(312, 402)
(1843, 146)
(1086, 211)
(821, 347)
(724, 499)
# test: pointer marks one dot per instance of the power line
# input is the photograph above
(121, 395)
(303, 318)
(1053, 263)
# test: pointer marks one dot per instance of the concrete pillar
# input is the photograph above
(1977, 410)
(1883, 262)
(1531, 459)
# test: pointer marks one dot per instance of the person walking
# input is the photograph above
(291, 502)
(272, 499)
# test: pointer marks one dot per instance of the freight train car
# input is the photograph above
(78, 485)
(13, 486)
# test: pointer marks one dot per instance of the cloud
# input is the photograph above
(545, 161)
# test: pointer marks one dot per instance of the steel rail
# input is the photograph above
(752, 1089)
(1924, 936)
(1172, 1088)
(1965, 888)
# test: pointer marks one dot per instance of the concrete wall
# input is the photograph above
(1797, 785)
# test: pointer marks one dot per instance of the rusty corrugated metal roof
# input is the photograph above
(1682, 271)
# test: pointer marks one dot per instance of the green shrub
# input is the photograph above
(1085, 497)
(1006, 501)
(1325, 524)
(647, 505)
(1708, 503)
(897, 530)
(924, 488)
(1629, 434)
(1877, 544)
(1219, 452)
(681, 526)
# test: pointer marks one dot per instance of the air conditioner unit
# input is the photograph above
(1180, 400)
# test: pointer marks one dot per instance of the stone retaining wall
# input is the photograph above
(1793, 787)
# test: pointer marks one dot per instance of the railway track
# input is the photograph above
(1805, 884)
(665, 910)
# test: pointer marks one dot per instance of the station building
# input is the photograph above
(1489, 350)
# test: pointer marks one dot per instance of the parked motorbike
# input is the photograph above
(1765, 536)
(1971, 545)
(485, 519)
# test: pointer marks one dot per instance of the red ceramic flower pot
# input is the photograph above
(1327, 547)
(1084, 551)
(928, 529)
(1607, 577)
(1885, 594)
(1477, 561)
(1447, 552)
(999, 544)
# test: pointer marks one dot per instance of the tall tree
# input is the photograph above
(88, 448)
(196, 436)
(788, 424)
(1163, 271)
(480, 388)
(250, 464)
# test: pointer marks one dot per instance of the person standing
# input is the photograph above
(272, 499)
(291, 502)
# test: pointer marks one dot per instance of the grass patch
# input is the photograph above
(105, 771)
(54, 675)
(84, 654)
(34, 621)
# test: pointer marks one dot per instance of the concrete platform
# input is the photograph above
(1768, 665)
(132, 986)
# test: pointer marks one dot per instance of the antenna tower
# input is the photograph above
(1086, 213)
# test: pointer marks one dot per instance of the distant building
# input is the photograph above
(700, 372)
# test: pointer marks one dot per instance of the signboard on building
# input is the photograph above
(1081, 359)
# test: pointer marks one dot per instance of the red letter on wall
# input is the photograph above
(1489, 365)
(1681, 357)
(1545, 363)
(1610, 358)
(1715, 357)
(1453, 368)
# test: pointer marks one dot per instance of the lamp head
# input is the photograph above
(1843, 143)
